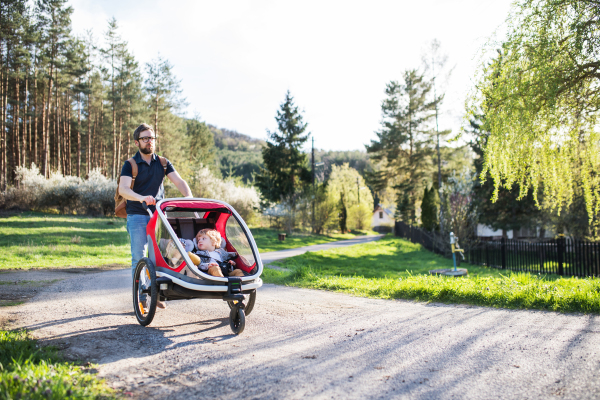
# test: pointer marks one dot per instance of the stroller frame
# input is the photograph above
(154, 278)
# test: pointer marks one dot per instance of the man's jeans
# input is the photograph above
(136, 227)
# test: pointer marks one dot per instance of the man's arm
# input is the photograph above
(126, 192)
(180, 184)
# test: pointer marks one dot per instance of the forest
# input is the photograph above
(69, 103)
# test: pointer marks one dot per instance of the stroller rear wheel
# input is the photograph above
(145, 291)
(237, 319)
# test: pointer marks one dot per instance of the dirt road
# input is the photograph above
(310, 344)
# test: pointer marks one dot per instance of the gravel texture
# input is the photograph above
(301, 343)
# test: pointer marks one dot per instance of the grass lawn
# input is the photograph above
(266, 239)
(30, 372)
(38, 240)
(394, 268)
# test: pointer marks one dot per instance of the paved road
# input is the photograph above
(279, 255)
(301, 343)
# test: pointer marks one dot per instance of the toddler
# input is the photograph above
(214, 259)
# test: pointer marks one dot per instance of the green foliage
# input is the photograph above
(285, 164)
(404, 143)
(541, 99)
(347, 189)
(507, 212)
(30, 372)
(36, 240)
(398, 269)
(237, 155)
(430, 208)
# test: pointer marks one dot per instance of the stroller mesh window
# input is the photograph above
(167, 246)
(238, 239)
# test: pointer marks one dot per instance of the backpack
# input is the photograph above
(120, 201)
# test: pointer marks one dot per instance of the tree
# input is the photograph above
(285, 165)
(164, 92)
(508, 211)
(541, 99)
(347, 189)
(430, 207)
(405, 141)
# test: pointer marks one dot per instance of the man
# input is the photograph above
(148, 187)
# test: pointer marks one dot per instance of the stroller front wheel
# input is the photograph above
(145, 291)
(237, 320)
(249, 306)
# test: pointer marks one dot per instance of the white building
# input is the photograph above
(383, 219)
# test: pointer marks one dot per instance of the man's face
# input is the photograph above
(146, 142)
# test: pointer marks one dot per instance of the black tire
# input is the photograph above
(144, 289)
(237, 320)
(251, 301)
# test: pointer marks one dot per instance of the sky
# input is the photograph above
(236, 59)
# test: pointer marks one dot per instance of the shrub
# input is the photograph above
(66, 193)
(245, 200)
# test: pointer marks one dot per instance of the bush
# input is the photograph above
(66, 193)
(245, 200)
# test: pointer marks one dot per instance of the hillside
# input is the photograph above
(237, 155)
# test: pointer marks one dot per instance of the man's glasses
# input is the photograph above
(147, 139)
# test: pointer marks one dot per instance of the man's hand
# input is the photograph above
(213, 265)
(149, 200)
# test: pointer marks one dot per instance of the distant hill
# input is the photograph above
(237, 155)
(240, 155)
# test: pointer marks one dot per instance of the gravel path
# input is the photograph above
(302, 343)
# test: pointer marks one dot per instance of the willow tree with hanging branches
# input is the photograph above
(541, 98)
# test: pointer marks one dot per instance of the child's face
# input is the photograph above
(205, 243)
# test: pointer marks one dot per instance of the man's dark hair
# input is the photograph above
(143, 127)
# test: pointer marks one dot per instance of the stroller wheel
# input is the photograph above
(249, 306)
(145, 291)
(237, 320)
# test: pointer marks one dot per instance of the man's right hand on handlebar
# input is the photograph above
(149, 200)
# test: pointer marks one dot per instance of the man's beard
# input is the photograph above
(146, 150)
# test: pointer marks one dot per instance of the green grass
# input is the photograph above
(39, 240)
(267, 239)
(394, 268)
(30, 372)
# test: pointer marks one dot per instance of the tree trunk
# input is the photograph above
(68, 141)
(35, 120)
(46, 124)
(79, 135)
(16, 139)
(88, 158)
(120, 143)
(24, 130)
(156, 123)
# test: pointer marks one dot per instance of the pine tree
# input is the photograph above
(430, 207)
(285, 164)
(404, 145)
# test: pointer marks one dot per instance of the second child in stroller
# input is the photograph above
(211, 257)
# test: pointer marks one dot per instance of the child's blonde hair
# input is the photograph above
(213, 234)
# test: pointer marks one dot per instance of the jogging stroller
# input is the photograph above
(168, 273)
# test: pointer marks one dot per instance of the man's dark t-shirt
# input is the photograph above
(148, 182)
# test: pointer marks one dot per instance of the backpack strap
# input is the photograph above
(163, 162)
(134, 170)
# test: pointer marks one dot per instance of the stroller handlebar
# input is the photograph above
(146, 208)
